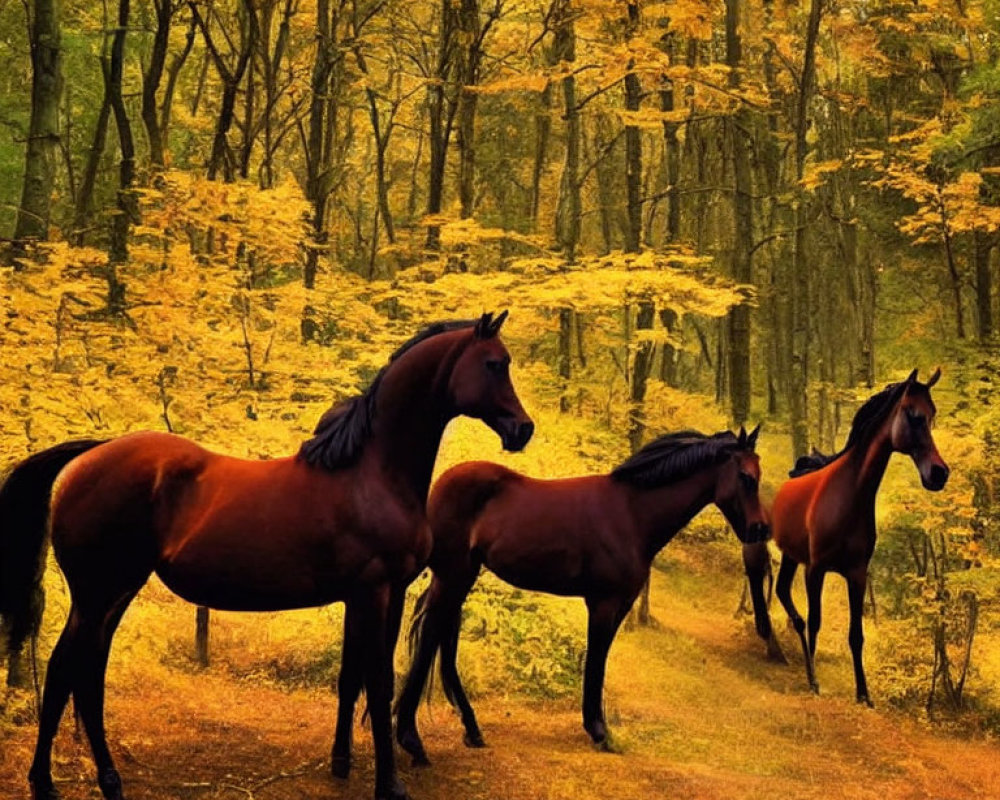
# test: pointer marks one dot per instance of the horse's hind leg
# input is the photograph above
(427, 635)
(783, 588)
(450, 680)
(58, 685)
(93, 646)
(348, 689)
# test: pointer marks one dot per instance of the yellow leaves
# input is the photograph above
(515, 82)
(813, 176)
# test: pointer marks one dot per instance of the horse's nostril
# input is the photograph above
(939, 474)
(525, 431)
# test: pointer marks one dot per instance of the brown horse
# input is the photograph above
(591, 537)
(342, 520)
(824, 517)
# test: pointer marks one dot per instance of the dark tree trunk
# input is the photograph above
(43, 127)
(151, 78)
(739, 138)
(798, 383)
(984, 244)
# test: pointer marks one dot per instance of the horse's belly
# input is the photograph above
(257, 590)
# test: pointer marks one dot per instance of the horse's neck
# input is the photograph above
(867, 464)
(663, 511)
(411, 414)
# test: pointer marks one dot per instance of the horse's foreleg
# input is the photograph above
(603, 620)
(856, 582)
(58, 684)
(757, 563)
(348, 689)
(376, 613)
(814, 593)
(783, 588)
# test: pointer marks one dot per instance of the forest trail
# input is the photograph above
(694, 706)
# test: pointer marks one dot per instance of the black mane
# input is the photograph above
(866, 422)
(674, 456)
(343, 430)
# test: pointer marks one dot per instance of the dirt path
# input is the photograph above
(694, 707)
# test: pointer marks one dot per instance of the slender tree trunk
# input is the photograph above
(740, 142)
(151, 78)
(85, 194)
(43, 128)
(800, 290)
(173, 72)
(984, 244)
(127, 203)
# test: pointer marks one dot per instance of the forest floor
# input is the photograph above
(695, 708)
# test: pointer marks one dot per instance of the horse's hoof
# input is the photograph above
(111, 784)
(340, 766)
(395, 792)
(774, 652)
(814, 687)
(608, 745)
(474, 740)
(44, 793)
(409, 740)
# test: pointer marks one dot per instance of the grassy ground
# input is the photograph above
(696, 710)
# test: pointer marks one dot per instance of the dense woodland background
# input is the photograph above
(220, 216)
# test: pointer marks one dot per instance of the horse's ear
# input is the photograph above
(482, 329)
(495, 325)
(912, 378)
(934, 378)
(741, 440)
(752, 439)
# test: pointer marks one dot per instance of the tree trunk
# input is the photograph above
(43, 127)
(127, 202)
(740, 143)
(801, 283)
(151, 77)
(984, 245)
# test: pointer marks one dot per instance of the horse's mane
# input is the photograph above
(866, 421)
(674, 455)
(343, 430)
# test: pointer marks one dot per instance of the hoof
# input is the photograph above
(474, 739)
(608, 745)
(409, 740)
(814, 687)
(774, 652)
(44, 793)
(111, 784)
(395, 792)
(340, 766)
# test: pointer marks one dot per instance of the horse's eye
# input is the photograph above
(749, 482)
(496, 366)
(915, 419)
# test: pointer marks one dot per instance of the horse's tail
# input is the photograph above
(24, 514)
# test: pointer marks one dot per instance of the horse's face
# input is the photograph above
(480, 386)
(736, 491)
(911, 432)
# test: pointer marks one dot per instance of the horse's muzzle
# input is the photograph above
(757, 532)
(517, 436)
(937, 479)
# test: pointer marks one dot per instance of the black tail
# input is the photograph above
(24, 514)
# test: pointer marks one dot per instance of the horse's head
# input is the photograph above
(480, 385)
(736, 491)
(911, 431)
